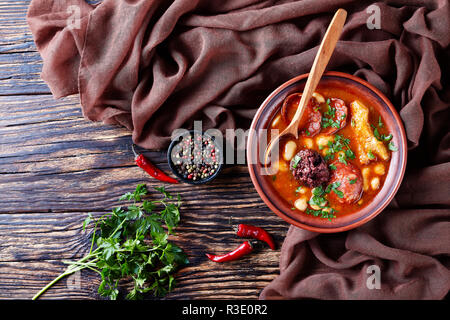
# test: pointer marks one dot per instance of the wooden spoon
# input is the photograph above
(320, 62)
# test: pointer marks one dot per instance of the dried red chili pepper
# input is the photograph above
(249, 231)
(239, 252)
(150, 168)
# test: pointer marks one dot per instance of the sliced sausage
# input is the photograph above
(340, 115)
(310, 124)
(350, 182)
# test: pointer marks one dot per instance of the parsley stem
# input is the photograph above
(95, 229)
(118, 228)
(90, 265)
(72, 268)
(68, 271)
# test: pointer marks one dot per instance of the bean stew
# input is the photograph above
(341, 158)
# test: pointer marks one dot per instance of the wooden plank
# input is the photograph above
(20, 74)
(20, 63)
(14, 31)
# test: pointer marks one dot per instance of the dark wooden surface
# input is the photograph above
(55, 167)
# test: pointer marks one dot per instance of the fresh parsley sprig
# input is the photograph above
(340, 143)
(132, 244)
(328, 117)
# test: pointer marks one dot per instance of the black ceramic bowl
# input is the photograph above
(175, 143)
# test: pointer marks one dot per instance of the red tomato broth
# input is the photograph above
(285, 183)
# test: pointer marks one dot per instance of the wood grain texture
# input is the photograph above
(55, 167)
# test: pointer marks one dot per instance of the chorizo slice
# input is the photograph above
(346, 183)
(336, 117)
(310, 124)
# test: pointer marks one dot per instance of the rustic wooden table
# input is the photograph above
(55, 167)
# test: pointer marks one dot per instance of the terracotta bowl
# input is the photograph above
(369, 96)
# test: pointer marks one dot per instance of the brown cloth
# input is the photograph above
(154, 66)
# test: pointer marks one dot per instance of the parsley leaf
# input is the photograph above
(392, 146)
(141, 190)
(325, 214)
(380, 122)
(295, 161)
(340, 143)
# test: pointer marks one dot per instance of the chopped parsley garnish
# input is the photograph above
(298, 189)
(380, 123)
(370, 155)
(318, 199)
(332, 167)
(295, 161)
(307, 132)
(339, 144)
(274, 177)
(328, 116)
(349, 154)
(352, 181)
(325, 214)
(381, 137)
(377, 134)
(333, 187)
(392, 146)
(342, 158)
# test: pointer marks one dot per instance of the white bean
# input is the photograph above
(289, 150)
(322, 140)
(316, 207)
(379, 169)
(301, 204)
(375, 183)
(318, 97)
(276, 120)
(365, 173)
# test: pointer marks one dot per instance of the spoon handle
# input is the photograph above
(320, 62)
